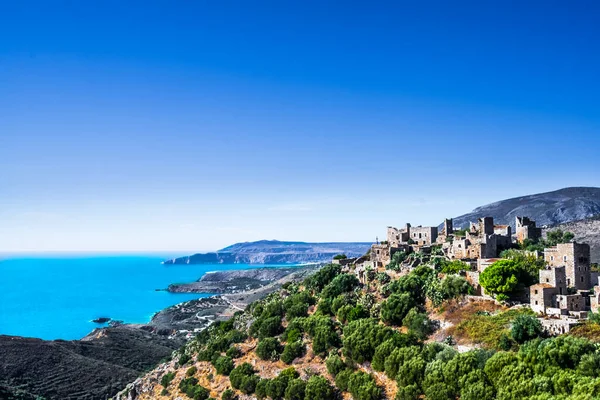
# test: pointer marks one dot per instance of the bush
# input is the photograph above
(363, 387)
(191, 371)
(322, 277)
(296, 390)
(224, 365)
(361, 338)
(190, 387)
(234, 352)
(268, 349)
(343, 378)
(228, 394)
(292, 351)
(418, 324)
(396, 307)
(243, 378)
(183, 359)
(318, 388)
(454, 267)
(455, 286)
(167, 379)
(335, 364)
(340, 284)
(526, 327)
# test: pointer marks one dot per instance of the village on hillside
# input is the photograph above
(567, 288)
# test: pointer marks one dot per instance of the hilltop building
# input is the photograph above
(526, 230)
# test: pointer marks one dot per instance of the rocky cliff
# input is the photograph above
(275, 252)
(551, 208)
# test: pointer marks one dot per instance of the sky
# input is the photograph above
(189, 125)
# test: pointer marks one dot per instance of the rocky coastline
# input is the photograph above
(106, 360)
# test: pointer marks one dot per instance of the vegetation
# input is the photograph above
(386, 325)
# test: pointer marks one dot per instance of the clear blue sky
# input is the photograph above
(189, 125)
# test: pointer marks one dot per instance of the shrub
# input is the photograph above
(526, 327)
(183, 359)
(234, 352)
(342, 379)
(296, 390)
(340, 284)
(363, 387)
(418, 323)
(224, 365)
(243, 378)
(292, 351)
(191, 371)
(228, 394)
(504, 276)
(167, 379)
(268, 349)
(335, 364)
(318, 388)
(322, 277)
(396, 307)
(361, 338)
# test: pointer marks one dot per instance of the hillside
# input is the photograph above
(390, 336)
(551, 208)
(275, 252)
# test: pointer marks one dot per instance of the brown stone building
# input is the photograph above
(526, 230)
(575, 257)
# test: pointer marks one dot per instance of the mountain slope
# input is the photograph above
(586, 231)
(275, 252)
(551, 208)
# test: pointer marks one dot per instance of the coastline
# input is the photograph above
(108, 359)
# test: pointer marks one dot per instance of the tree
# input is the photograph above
(526, 327)
(228, 394)
(318, 388)
(292, 351)
(167, 379)
(503, 277)
(454, 267)
(224, 365)
(340, 257)
(335, 364)
(363, 387)
(296, 390)
(396, 307)
(268, 349)
(243, 378)
(557, 236)
(418, 323)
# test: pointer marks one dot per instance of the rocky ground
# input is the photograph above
(233, 281)
(106, 360)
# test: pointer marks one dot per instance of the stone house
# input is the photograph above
(526, 230)
(576, 259)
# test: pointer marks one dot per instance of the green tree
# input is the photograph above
(526, 327)
(318, 388)
(362, 386)
(268, 349)
(296, 390)
(224, 365)
(557, 236)
(503, 277)
(292, 351)
(396, 307)
(418, 323)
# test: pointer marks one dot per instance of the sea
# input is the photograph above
(57, 297)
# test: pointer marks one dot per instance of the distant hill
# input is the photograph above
(551, 208)
(275, 252)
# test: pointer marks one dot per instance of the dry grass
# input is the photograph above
(589, 330)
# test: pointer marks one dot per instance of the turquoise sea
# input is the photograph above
(57, 297)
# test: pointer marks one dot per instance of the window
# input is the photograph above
(582, 279)
(564, 258)
(547, 280)
(419, 236)
(536, 292)
(551, 258)
(536, 302)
